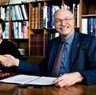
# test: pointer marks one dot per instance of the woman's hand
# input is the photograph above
(8, 60)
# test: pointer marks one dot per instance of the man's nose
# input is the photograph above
(63, 22)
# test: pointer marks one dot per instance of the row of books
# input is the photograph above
(89, 26)
(17, 12)
(36, 19)
(75, 9)
(37, 43)
(16, 30)
(42, 16)
(51, 36)
(48, 12)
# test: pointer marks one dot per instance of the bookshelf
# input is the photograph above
(41, 26)
(39, 21)
(16, 18)
(88, 17)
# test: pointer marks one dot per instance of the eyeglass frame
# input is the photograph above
(62, 20)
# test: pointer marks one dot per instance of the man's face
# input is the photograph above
(64, 22)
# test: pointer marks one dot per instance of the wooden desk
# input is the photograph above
(12, 89)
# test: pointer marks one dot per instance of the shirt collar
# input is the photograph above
(69, 40)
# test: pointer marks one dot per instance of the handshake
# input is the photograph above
(8, 60)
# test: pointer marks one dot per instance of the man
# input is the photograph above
(78, 64)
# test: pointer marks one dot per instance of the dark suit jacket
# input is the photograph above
(83, 58)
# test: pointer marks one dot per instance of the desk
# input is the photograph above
(12, 89)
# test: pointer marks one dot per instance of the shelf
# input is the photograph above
(88, 7)
(68, 2)
(34, 59)
(89, 15)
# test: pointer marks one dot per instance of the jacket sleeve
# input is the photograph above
(28, 68)
(90, 74)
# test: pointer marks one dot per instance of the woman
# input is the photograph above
(7, 47)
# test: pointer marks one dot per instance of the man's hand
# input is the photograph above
(68, 79)
(5, 61)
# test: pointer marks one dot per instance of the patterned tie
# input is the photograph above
(57, 63)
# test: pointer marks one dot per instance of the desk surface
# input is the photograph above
(12, 89)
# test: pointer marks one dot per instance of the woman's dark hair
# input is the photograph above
(2, 24)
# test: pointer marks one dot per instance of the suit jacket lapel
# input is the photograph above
(75, 47)
(53, 53)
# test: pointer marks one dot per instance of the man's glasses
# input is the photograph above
(63, 20)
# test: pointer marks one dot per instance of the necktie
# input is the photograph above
(57, 63)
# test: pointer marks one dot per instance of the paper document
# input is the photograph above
(29, 80)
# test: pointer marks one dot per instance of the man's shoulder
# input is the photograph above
(85, 40)
(86, 37)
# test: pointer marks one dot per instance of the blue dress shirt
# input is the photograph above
(65, 60)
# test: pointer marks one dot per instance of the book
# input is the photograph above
(32, 14)
(84, 25)
(29, 80)
(36, 44)
(25, 29)
(15, 30)
(91, 26)
(18, 12)
(6, 31)
(25, 11)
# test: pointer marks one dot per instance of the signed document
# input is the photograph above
(29, 80)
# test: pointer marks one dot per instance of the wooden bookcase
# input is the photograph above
(88, 16)
(41, 27)
(39, 30)
(16, 18)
